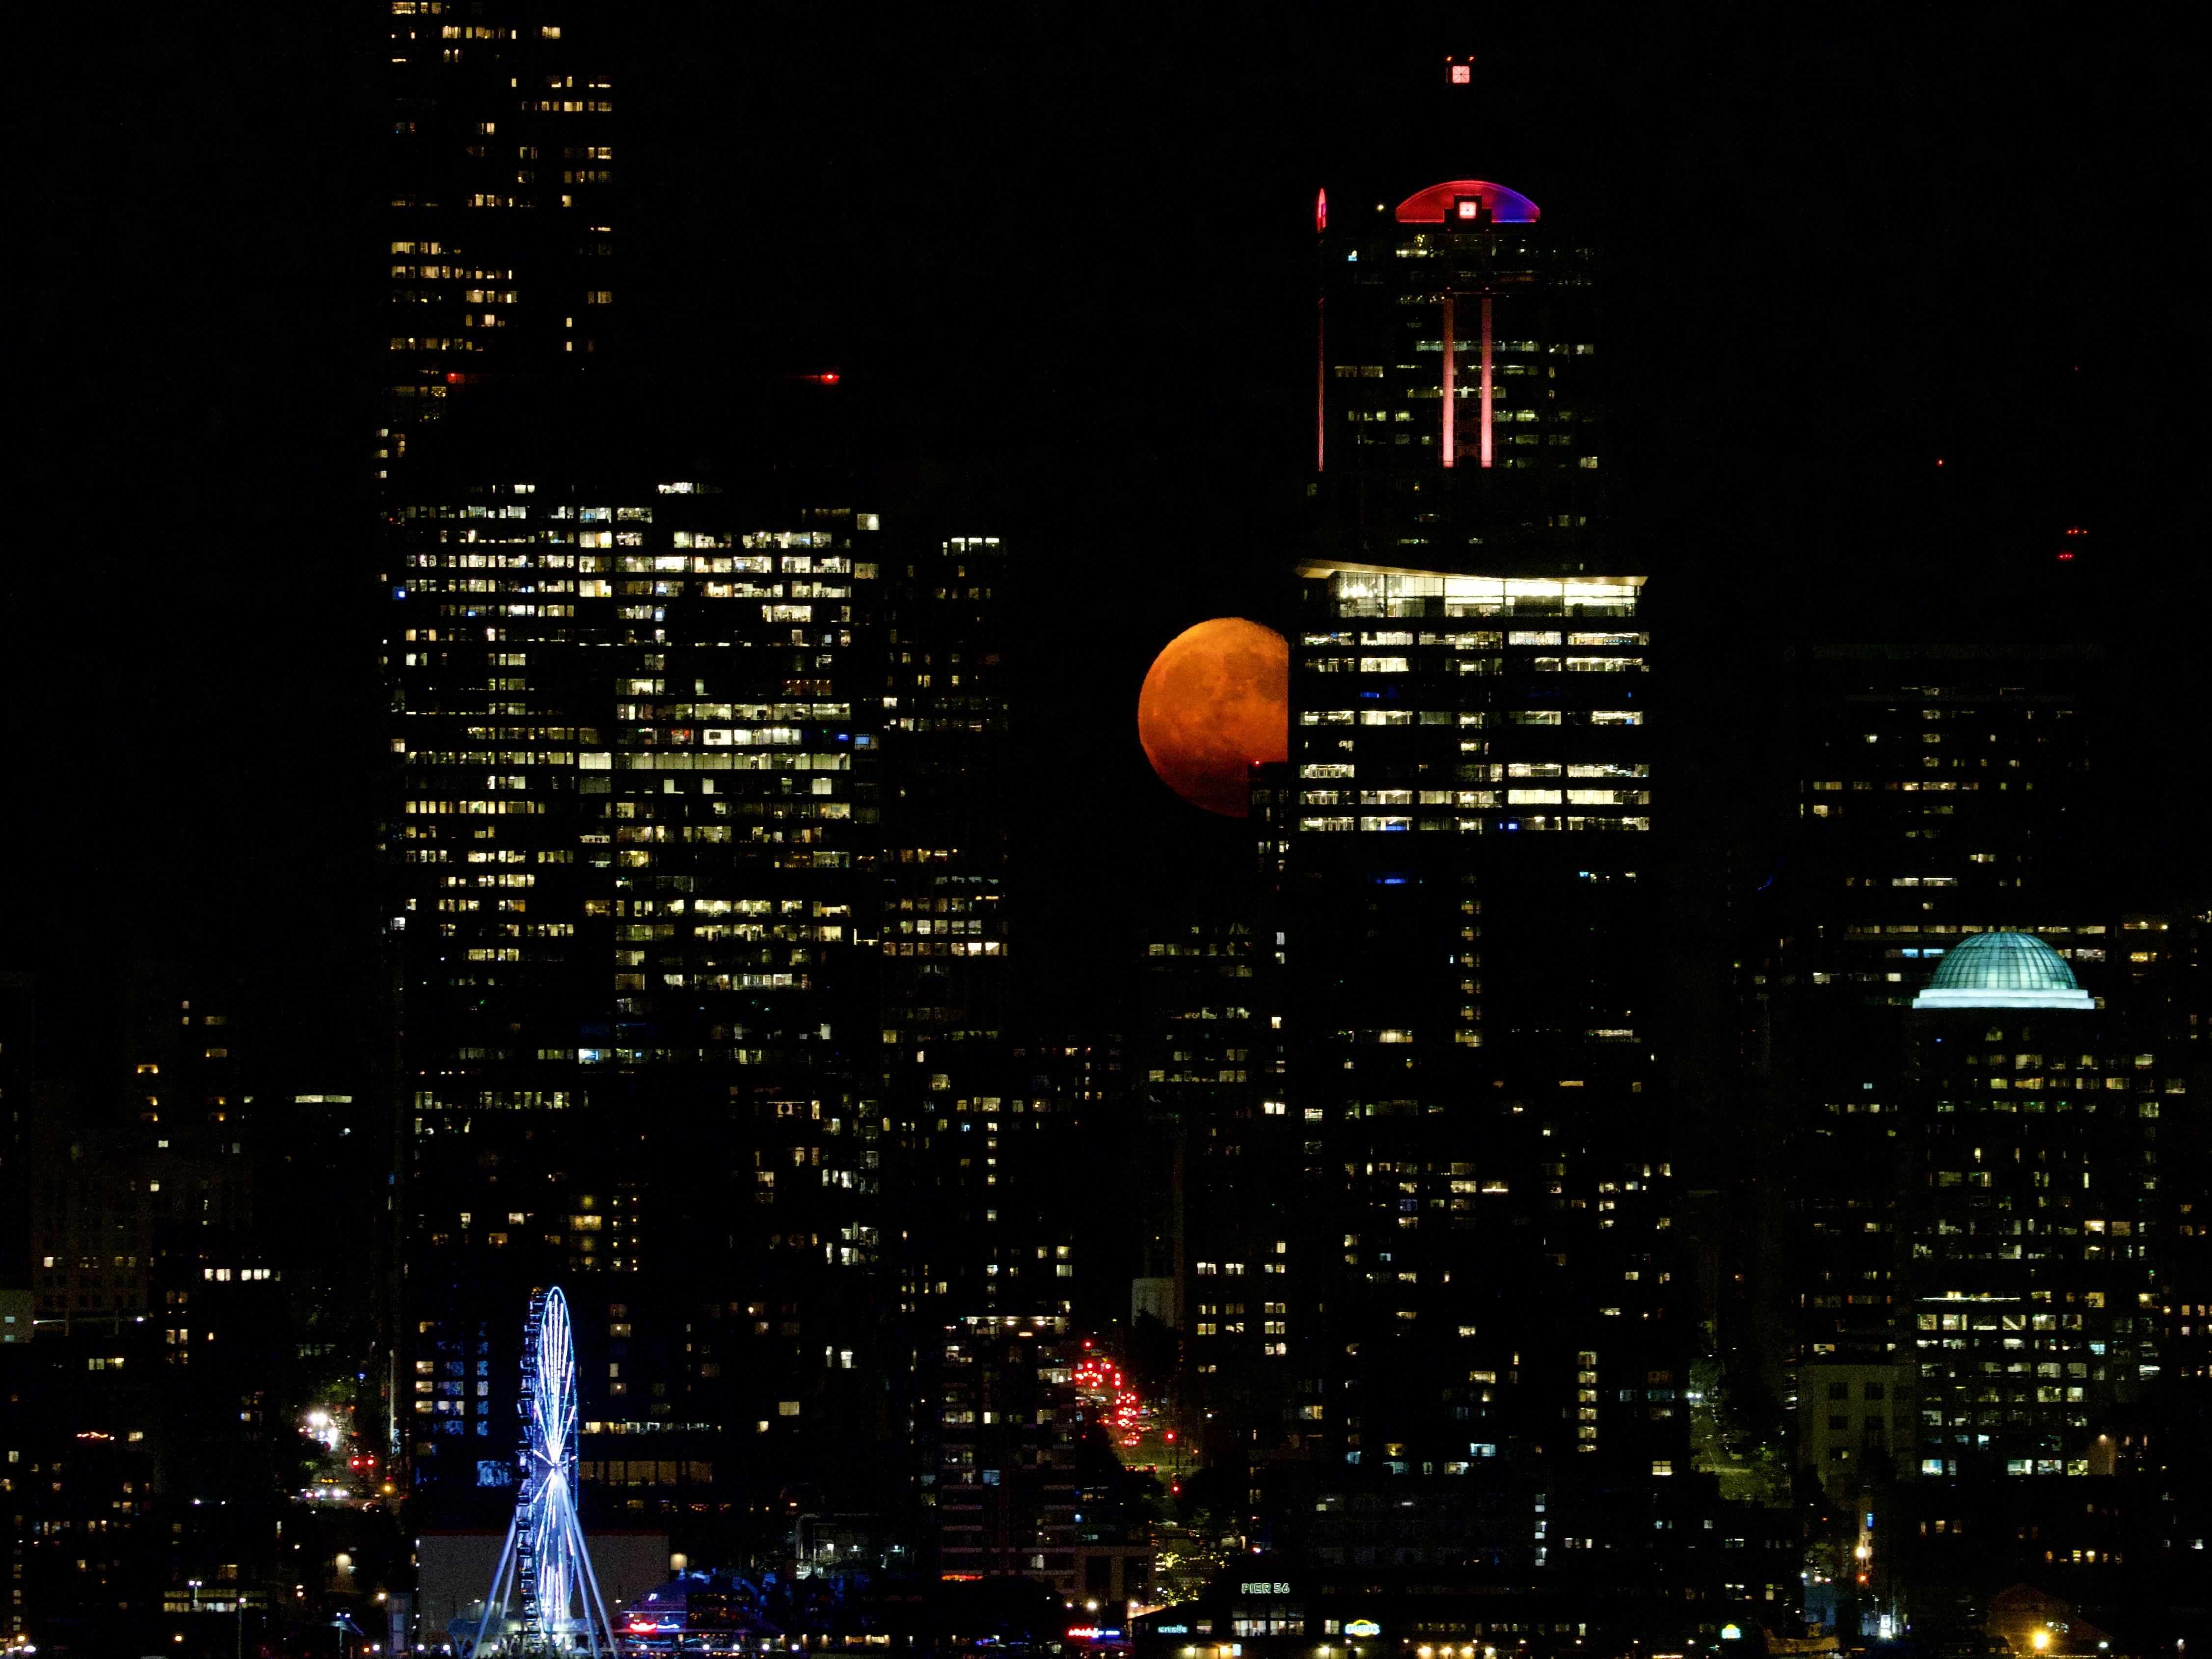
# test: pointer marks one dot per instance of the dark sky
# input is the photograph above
(1061, 253)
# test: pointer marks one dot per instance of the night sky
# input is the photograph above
(1061, 258)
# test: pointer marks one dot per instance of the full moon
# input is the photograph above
(1217, 700)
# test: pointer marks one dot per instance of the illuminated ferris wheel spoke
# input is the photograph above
(545, 1566)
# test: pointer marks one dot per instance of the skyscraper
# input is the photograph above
(1971, 1054)
(680, 963)
(1458, 399)
(501, 223)
(1217, 1175)
(1473, 1299)
(641, 1041)
(1469, 707)
(1942, 787)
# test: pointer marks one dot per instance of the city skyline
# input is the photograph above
(664, 725)
(2020, 451)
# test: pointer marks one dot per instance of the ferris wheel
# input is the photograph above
(545, 1565)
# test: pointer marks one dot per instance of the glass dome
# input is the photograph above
(2003, 970)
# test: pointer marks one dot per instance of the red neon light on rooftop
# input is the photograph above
(1432, 205)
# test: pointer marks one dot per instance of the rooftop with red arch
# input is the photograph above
(1473, 200)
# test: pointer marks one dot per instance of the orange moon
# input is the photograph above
(1217, 700)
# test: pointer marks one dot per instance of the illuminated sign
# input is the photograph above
(1363, 1627)
(1731, 1633)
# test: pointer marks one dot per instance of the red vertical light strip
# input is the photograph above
(1320, 384)
(1451, 414)
(1485, 381)
(1320, 348)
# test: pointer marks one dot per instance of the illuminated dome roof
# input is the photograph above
(2003, 970)
(1459, 198)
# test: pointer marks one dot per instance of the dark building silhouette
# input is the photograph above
(198, 1299)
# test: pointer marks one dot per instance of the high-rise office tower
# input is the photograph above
(686, 974)
(672, 964)
(1458, 400)
(642, 1047)
(1472, 1310)
(990, 1254)
(943, 886)
(1974, 1056)
(1461, 882)
(1942, 791)
(967, 1219)
(2000, 1192)
(1474, 1313)
(1218, 1179)
(1471, 1064)
(699, 902)
(501, 236)
(2027, 1234)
